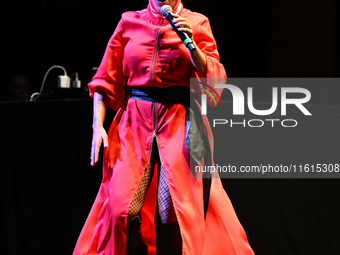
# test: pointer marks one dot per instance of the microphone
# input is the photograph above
(166, 11)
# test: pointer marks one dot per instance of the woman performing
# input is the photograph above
(148, 201)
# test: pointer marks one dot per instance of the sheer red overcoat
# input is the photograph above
(144, 51)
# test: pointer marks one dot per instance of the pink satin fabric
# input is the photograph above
(134, 55)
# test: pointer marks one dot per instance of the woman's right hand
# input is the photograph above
(99, 133)
(99, 136)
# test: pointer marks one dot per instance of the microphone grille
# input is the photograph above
(165, 9)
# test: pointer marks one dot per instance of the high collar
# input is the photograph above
(155, 15)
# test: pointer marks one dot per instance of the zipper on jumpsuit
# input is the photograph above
(154, 135)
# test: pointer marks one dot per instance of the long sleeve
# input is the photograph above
(206, 42)
(215, 72)
(109, 78)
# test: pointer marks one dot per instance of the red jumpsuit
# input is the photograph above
(146, 52)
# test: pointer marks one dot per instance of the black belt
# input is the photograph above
(173, 94)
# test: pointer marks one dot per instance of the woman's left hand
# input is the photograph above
(183, 25)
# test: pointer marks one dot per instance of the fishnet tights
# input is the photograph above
(165, 207)
(138, 199)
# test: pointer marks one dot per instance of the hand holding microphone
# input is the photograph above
(181, 26)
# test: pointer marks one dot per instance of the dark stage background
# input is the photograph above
(47, 184)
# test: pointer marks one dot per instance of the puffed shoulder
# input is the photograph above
(196, 17)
